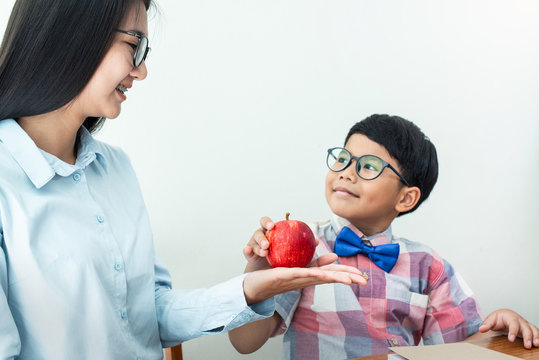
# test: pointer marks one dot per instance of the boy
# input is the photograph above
(387, 168)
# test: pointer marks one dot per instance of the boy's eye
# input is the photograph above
(134, 46)
(370, 167)
(342, 160)
(371, 163)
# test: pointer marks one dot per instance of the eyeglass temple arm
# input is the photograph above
(399, 175)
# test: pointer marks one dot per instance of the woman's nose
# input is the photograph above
(140, 72)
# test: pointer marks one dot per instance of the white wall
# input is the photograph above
(244, 97)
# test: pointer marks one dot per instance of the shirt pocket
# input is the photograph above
(408, 314)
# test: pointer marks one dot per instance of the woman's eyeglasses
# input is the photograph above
(368, 167)
(142, 47)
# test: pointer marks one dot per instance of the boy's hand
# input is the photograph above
(515, 325)
(256, 249)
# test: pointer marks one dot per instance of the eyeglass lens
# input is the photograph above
(142, 50)
(368, 166)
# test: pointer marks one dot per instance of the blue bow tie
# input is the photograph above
(349, 244)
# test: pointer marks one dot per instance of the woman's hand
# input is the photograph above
(263, 284)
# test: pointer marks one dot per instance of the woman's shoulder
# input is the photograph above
(113, 155)
(109, 150)
(9, 166)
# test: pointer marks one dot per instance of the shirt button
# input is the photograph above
(139, 358)
(100, 218)
(395, 341)
(245, 316)
(123, 314)
(117, 266)
(76, 176)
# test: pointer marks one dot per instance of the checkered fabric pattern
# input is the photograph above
(421, 298)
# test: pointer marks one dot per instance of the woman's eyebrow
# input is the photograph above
(136, 31)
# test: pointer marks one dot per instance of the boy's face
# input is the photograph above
(370, 205)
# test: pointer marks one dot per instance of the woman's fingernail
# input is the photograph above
(511, 337)
(529, 344)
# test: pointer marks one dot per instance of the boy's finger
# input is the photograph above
(266, 223)
(535, 336)
(484, 328)
(513, 330)
(487, 324)
(261, 240)
(526, 335)
(247, 251)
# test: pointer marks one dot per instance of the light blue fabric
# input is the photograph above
(79, 277)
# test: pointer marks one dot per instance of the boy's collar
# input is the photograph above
(381, 238)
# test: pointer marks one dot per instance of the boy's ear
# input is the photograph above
(409, 197)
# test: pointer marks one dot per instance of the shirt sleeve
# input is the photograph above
(285, 305)
(188, 314)
(452, 313)
(10, 344)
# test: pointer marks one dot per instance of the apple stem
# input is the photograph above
(287, 215)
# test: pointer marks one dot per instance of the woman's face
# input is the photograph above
(102, 96)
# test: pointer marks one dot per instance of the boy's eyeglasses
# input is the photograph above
(368, 167)
(142, 49)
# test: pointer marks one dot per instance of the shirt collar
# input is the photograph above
(381, 238)
(40, 166)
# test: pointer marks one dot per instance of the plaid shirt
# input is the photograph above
(422, 297)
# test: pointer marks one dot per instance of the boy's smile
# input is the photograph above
(343, 191)
(370, 205)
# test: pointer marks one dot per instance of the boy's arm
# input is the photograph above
(252, 336)
(263, 282)
(509, 322)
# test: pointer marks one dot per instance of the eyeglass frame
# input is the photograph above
(385, 164)
(139, 38)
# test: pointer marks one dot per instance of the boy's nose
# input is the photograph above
(349, 173)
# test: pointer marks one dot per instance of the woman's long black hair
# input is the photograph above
(51, 49)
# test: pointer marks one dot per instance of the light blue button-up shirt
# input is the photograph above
(79, 277)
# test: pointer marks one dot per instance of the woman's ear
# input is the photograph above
(409, 196)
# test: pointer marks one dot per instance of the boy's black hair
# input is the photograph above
(405, 142)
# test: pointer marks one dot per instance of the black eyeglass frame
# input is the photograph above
(139, 38)
(358, 158)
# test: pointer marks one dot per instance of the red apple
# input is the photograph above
(291, 244)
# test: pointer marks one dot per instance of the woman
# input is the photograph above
(78, 272)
